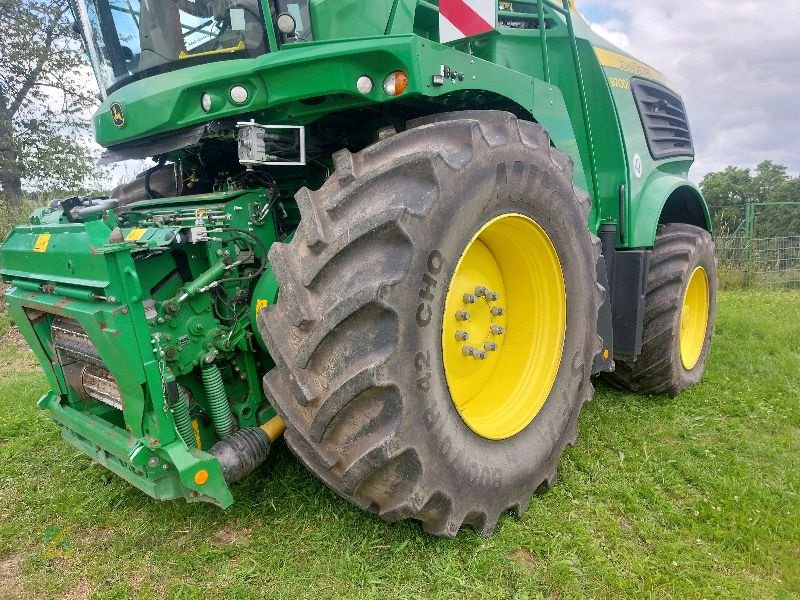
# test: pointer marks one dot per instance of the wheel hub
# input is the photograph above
(694, 319)
(504, 326)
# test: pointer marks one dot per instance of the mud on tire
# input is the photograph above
(359, 377)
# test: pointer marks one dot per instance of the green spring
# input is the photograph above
(183, 422)
(217, 401)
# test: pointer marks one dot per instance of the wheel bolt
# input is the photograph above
(497, 311)
(470, 298)
(461, 336)
(492, 296)
(479, 355)
(468, 351)
(497, 330)
(480, 291)
(462, 315)
(490, 347)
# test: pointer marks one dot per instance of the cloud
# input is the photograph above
(735, 64)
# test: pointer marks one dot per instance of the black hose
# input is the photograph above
(148, 190)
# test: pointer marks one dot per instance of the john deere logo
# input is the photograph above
(117, 115)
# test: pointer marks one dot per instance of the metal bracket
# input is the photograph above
(254, 139)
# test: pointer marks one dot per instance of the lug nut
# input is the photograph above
(497, 330)
(470, 298)
(497, 311)
(461, 336)
(490, 347)
(468, 351)
(462, 315)
(492, 296)
(479, 355)
(480, 291)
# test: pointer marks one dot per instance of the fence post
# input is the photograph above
(748, 237)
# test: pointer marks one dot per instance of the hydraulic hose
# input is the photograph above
(217, 401)
(183, 421)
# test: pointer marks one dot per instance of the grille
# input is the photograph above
(664, 119)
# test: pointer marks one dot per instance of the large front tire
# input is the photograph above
(362, 329)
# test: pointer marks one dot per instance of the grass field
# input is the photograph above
(696, 497)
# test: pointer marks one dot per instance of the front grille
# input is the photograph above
(664, 119)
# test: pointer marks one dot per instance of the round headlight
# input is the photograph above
(364, 84)
(286, 23)
(205, 102)
(239, 94)
(396, 83)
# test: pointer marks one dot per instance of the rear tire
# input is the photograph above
(666, 365)
(357, 334)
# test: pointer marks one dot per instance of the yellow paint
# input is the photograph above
(274, 428)
(261, 305)
(201, 477)
(182, 55)
(499, 396)
(135, 235)
(196, 428)
(41, 243)
(626, 64)
(694, 319)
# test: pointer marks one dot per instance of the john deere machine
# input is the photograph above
(408, 233)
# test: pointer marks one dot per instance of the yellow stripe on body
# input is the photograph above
(626, 64)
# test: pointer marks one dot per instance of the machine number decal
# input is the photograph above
(135, 235)
(261, 305)
(619, 83)
(41, 243)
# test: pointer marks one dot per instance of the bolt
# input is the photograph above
(165, 466)
(461, 336)
(153, 462)
(468, 351)
(492, 296)
(479, 355)
(463, 315)
(481, 291)
(112, 299)
(470, 298)
(490, 347)
(497, 330)
(497, 311)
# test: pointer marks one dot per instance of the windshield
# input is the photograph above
(131, 39)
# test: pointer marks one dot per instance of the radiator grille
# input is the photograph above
(664, 119)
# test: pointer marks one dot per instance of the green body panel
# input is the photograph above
(164, 286)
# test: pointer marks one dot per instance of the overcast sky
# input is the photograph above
(736, 63)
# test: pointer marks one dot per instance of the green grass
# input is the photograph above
(696, 497)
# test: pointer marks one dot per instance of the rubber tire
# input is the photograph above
(359, 378)
(679, 249)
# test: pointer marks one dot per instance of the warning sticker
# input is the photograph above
(261, 305)
(135, 235)
(41, 243)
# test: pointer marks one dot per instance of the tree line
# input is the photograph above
(728, 192)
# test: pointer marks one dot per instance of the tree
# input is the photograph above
(44, 99)
(729, 191)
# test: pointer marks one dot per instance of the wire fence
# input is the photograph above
(769, 262)
(751, 250)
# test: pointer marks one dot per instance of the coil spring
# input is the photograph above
(183, 422)
(217, 401)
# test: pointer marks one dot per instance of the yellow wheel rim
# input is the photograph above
(504, 325)
(694, 319)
